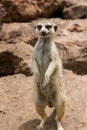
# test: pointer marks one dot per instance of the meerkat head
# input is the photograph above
(45, 29)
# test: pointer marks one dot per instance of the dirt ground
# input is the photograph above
(17, 110)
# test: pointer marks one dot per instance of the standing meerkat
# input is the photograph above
(47, 69)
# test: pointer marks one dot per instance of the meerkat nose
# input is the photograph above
(43, 33)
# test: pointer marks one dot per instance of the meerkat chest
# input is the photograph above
(43, 56)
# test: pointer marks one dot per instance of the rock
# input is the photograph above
(15, 59)
(71, 40)
(18, 32)
(2, 12)
(73, 9)
(26, 10)
(73, 53)
(2, 15)
(73, 45)
(15, 54)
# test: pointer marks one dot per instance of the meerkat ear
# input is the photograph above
(55, 28)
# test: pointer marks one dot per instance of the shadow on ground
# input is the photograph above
(32, 124)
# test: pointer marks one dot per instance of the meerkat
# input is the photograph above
(47, 70)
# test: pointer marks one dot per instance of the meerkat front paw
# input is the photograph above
(46, 80)
(36, 75)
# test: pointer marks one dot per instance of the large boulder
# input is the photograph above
(71, 40)
(2, 15)
(15, 58)
(2, 12)
(18, 32)
(15, 48)
(26, 10)
(73, 9)
(72, 45)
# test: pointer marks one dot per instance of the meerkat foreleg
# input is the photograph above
(49, 72)
(35, 68)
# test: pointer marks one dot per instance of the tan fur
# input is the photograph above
(48, 81)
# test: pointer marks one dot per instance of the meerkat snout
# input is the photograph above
(45, 29)
(43, 33)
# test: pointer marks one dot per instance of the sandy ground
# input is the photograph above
(17, 110)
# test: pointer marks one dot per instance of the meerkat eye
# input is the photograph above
(48, 26)
(39, 27)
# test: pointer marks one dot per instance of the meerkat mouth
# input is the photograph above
(44, 34)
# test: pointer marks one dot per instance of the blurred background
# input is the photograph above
(17, 40)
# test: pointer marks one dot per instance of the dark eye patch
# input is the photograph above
(39, 27)
(48, 26)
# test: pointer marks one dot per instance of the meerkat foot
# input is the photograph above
(59, 126)
(41, 125)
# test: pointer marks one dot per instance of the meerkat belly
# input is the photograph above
(48, 95)
(43, 60)
(43, 63)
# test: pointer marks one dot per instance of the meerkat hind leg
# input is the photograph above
(40, 110)
(60, 112)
